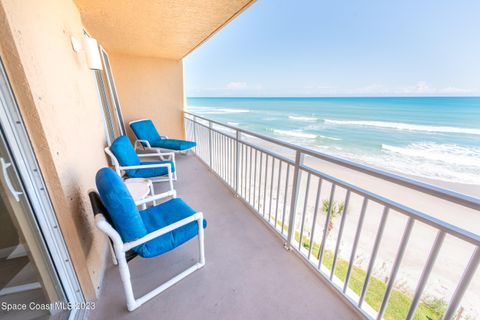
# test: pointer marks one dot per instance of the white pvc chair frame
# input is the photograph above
(120, 248)
(169, 156)
(145, 144)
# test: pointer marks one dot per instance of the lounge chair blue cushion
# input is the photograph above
(145, 130)
(150, 172)
(124, 152)
(121, 207)
(162, 215)
(173, 144)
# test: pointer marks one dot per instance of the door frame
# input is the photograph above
(32, 180)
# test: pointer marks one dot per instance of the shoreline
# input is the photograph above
(464, 188)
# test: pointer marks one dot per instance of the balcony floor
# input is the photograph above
(248, 274)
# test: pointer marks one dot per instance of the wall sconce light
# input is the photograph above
(90, 46)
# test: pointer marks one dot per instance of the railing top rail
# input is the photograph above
(450, 195)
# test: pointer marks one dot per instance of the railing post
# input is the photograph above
(462, 286)
(237, 163)
(299, 157)
(195, 131)
(210, 144)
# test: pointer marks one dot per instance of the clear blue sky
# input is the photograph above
(342, 48)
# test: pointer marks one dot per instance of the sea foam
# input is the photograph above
(211, 110)
(300, 118)
(233, 110)
(419, 167)
(329, 138)
(444, 153)
(295, 133)
(405, 126)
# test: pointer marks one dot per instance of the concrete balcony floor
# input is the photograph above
(248, 273)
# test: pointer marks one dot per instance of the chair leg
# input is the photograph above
(152, 192)
(112, 253)
(126, 281)
(170, 179)
(201, 242)
(133, 303)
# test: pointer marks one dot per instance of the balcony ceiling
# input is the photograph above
(156, 28)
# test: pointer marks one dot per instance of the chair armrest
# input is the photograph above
(156, 165)
(171, 193)
(198, 216)
(148, 166)
(162, 155)
(107, 228)
(155, 154)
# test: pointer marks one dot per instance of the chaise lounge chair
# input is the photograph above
(147, 233)
(127, 161)
(149, 138)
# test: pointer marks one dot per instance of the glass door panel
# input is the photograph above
(27, 276)
(37, 279)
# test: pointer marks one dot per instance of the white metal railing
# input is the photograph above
(274, 181)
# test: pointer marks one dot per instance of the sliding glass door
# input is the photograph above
(36, 275)
(27, 275)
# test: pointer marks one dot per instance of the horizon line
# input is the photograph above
(307, 97)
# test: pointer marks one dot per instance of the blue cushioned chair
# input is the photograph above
(148, 137)
(126, 160)
(147, 233)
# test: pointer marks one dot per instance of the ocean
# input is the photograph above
(430, 137)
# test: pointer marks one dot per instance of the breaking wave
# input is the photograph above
(406, 126)
(210, 110)
(446, 153)
(295, 133)
(300, 118)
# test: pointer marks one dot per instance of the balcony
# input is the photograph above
(248, 274)
(392, 252)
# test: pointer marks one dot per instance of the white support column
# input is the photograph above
(299, 157)
(237, 163)
(210, 144)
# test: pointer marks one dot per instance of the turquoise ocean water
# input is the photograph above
(432, 137)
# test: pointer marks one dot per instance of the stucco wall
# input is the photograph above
(150, 88)
(58, 99)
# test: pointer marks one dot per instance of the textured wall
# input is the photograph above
(58, 99)
(150, 88)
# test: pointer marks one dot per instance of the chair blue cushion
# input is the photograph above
(173, 144)
(159, 216)
(124, 152)
(145, 130)
(150, 172)
(121, 207)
